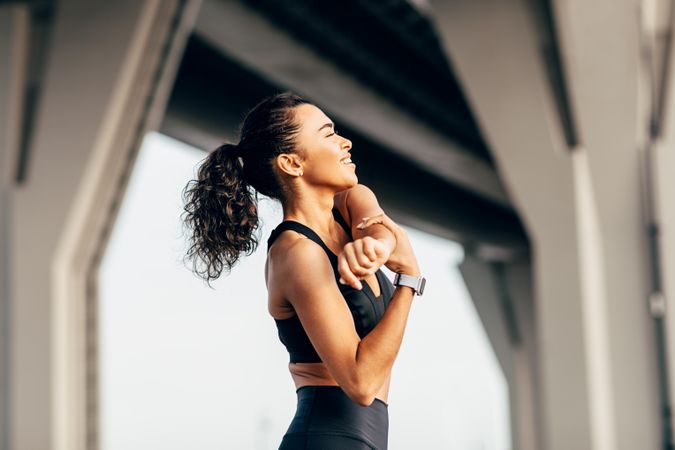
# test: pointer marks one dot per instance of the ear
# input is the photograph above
(289, 163)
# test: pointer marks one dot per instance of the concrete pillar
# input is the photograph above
(502, 295)
(110, 69)
(14, 27)
(600, 46)
(580, 206)
(663, 183)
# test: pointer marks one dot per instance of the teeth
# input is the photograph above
(347, 161)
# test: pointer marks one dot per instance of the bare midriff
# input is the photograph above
(317, 374)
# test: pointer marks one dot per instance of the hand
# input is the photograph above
(402, 259)
(361, 258)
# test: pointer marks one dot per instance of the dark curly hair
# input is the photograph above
(220, 211)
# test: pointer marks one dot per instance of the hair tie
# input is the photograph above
(231, 149)
(237, 150)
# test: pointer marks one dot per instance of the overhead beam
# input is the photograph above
(212, 94)
(243, 34)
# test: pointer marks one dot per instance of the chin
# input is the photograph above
(348, 185)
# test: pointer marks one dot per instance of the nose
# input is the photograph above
(347, 144)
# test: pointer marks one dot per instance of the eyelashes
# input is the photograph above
(334, 132)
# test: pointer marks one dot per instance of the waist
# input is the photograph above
(317, 374)
(328, 409)
(333, 387)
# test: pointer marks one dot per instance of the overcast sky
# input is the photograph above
(183, 366)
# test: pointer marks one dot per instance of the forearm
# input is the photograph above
(377, 351)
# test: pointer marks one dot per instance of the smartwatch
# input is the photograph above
(417, 283)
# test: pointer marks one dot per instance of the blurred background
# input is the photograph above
(526, 146)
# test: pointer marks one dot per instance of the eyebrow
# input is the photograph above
(326, 125)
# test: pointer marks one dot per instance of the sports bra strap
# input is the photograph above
(303, 229)
(342, 222)
(311, 234)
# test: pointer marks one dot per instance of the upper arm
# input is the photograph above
(312, 289)
(361, 202)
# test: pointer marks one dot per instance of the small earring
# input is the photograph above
(300, 174)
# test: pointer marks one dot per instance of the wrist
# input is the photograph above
(412, 271)
(390, 244)
(408, 288)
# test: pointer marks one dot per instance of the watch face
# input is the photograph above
(422, 284)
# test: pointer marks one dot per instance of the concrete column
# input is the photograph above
(663, 186)
(600, 46)
(494, 47)
(665, 196)
(518, 280)
(503, 298)
(14, 26)
(111, 66)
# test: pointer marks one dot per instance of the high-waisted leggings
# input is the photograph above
(327, 419)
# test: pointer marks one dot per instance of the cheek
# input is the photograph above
(330, 159)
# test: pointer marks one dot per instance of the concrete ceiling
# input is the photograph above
(376, 68)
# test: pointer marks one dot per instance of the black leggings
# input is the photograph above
(327, 419)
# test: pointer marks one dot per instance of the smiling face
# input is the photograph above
(326, 153)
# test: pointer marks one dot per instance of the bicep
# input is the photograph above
(322, 310)
(362, 202)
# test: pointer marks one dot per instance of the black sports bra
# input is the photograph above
(366, 308)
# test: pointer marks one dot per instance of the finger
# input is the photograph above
(367, 221)
(364, 257)
(380, 218)
(369, 249)
(353, 258)
(356, 268)
(384, 220)
(347, 277)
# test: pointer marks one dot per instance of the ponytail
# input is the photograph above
(220, 209)
(221, 213)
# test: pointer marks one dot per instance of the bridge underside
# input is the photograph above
(517, 128)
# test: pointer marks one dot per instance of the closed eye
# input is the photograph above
(334, 132)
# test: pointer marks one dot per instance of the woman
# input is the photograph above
(339, 316)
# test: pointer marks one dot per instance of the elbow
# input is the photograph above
(362, 395)
(362, 399)
(366, 400)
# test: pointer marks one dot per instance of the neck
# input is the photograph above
(313, 209)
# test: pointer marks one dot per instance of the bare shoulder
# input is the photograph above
(298, 263)
(304, 259)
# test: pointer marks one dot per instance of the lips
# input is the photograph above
(347, 158)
